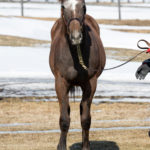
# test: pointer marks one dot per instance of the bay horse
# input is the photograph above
(77, 58)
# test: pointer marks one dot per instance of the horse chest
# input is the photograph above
(68, 64)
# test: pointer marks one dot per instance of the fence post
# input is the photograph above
(22, 8)
(119, 10)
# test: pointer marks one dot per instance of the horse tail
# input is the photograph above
(72, 92)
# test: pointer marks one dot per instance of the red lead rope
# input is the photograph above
(148, 51)
(148, 44)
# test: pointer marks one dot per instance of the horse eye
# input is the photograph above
(62, 6)
(84, 8)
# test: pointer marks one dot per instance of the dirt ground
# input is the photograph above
(45, 115)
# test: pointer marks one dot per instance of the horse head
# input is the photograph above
(73, 12)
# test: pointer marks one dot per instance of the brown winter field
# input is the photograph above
(42, 116)
(15, 41)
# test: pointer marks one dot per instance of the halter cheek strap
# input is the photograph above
(72, 19)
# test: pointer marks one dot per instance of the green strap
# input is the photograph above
(80, 57)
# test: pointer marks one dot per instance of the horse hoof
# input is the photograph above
(61, 147)
(86, 148)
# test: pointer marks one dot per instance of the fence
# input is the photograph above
(112, 1)
(118, 2)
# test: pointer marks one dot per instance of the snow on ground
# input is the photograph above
(24, 62)
(33, 62)
(25, 72)
(38, 29)
(119, 39)
(28, 28)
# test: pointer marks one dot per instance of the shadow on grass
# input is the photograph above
(97, 145)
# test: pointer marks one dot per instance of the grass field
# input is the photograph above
(42, 116)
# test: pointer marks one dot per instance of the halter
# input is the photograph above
(72, 19)
(78, 46)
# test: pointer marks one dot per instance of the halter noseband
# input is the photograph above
(72, 19)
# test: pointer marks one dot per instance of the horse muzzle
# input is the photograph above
(76, 38)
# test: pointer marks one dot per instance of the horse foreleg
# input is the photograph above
(62, 90)
(88, 93)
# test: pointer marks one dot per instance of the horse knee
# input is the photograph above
(86, 122)
(64, 123)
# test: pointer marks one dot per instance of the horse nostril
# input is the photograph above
(76, 37)
(80, 36)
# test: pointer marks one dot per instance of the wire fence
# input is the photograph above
(118, 3)
(98, 1)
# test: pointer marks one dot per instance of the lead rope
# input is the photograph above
(81, 58)
(125, 62)
(147, 51)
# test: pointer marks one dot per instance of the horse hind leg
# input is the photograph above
(85, 105)
(64, 120)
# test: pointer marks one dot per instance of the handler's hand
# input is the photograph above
(142, 71)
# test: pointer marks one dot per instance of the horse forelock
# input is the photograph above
(71, 4)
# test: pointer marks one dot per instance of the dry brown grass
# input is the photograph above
(132, 30)
(124, 22)
(7, 40)
(115, 53)
(103, 140)
(45, 116)
(124, 54)
(129, 22)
